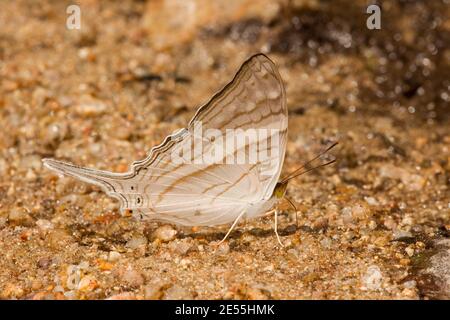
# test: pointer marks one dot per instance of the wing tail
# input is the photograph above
(108, 181)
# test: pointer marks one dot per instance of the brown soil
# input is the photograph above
(373, 226)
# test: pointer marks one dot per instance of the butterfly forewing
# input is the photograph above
(195, 192)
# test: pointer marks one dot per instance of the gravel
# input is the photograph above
(374, 225)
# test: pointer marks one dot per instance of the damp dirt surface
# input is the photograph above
(375, 225)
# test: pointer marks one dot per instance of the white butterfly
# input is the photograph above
(193, 193)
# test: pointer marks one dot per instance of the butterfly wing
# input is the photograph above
(254, 99)
(192, 192)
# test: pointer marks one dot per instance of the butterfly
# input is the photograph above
(199, 193)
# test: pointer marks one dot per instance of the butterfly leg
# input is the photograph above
(276, 228)
(295, 210)
(232, 227)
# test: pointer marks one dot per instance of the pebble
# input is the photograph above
(347, 216)
(87, 283)
(44, 225)
(132, 277)
(326, 243)
(165, 233)
(58, 239)
(437, 265)
(372, 225)
(30, 175)
(155, 290)
(31, 162)
(373, 278)
(91, 109)
(223, 249)
(390, 223)
(360, 211)
(19, 217)
(412, 181)
(371, 201)
(399, 234)
(44, 263)
(70, 295)
(114, 256)
(4, 167)
(181, 247)
(320, 223)
(409, 251)
(136, 242)
(177, 292)
(56, 132)
(410, 284)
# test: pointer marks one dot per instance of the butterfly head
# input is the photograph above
(280, 189)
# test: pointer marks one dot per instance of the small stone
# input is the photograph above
(412, 181)
(165, 233)
(256, 294)
(19, 217)
(91, 109)
(347, 216)
(373, 278)
(311, 277)
(410, 284)
(155, 290)
(132, 277)
(31, 162)
(399, 234)
(30, 175)
(181, 247)
(136, 242)
(320, 223)
(58, 238)
(44, 225)
(122, 132)
(70, 295)
(104, 265)
(86, 53)
(36, 284)
(87, 283)
(410, 293)
(44, 263)
(293, 253)
(114, 256)
(390, 223)
(407, 220)
(56, 132)
(405, 261)
(371, 201)
(361, 211)
(223, 249)
(177, 292)
(4, 167)
(409, 251)
(326, 243)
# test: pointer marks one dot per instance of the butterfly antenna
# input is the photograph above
(299, 171)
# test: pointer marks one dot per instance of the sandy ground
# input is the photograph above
(373, 226)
